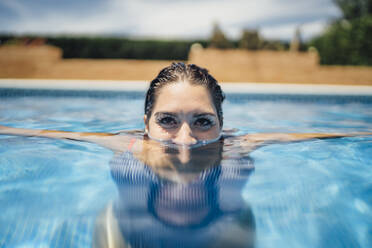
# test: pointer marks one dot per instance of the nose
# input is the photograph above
(184, 136)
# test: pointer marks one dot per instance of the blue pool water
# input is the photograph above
(308, 194)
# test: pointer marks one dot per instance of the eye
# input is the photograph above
(167, 121)
(203, 123)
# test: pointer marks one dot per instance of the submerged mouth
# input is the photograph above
(199, 143)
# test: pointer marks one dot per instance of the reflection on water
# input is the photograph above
(193, 199)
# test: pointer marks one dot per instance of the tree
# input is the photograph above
(218, 38)
(348, 40)
(250, 40)
(352, 9)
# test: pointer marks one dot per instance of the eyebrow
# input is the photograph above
(204, 114)
(165, 113)
(194, 116)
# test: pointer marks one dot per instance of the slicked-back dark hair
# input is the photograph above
(179, 72)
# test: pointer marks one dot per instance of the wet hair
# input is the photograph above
(195, 75)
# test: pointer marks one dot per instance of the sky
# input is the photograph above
(167, 19)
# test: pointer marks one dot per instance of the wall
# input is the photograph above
(275, 66)
(225, 65)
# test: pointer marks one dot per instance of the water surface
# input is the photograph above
(307, 194)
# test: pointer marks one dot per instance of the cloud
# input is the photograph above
(79, 17)
(165, 18)
(308, 30)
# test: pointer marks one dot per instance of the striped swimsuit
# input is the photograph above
(153, 212)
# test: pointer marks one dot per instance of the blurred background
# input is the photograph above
(291, 41)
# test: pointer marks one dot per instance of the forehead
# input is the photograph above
(183, 96)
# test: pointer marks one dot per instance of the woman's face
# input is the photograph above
(184, 114)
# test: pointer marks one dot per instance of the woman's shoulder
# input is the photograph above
(237, 167)
(126, 167)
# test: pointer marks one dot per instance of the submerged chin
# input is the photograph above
(173, 144)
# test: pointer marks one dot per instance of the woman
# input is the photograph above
(174, 171)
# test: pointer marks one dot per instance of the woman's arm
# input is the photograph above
(90, 137)
(109, 140)
(291, 137)
(253, 141)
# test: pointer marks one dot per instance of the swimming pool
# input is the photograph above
(309, 194)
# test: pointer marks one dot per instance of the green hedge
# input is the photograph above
(102, 48)
(124, 48)
(114, 48)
